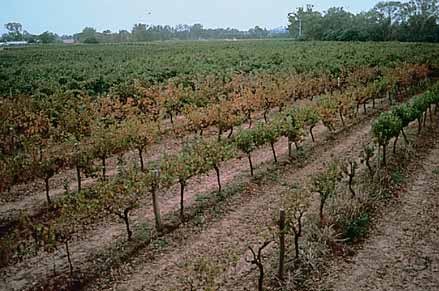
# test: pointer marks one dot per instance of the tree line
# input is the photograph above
(141, 33)
(17, 33)
(413, 21)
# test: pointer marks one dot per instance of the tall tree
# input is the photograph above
(15, 31)
(416, 20)
(140, 32)
(306, 23)
(14, 27)
(422, 25)
(48, 37)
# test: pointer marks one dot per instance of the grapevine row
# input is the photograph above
(46, 146)
(119, 196)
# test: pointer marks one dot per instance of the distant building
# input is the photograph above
(69, 41)
(14, 43)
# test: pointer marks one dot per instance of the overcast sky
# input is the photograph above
(70, 16)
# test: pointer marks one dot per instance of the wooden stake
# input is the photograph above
(281, 244)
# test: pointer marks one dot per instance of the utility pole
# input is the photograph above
(299, 19)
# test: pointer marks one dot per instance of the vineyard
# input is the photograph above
(202, 165)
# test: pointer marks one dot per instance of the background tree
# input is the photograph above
(14, 29)
(139, 32)
(308, 22)
(88, 35)
(387, 21)
(48, 37)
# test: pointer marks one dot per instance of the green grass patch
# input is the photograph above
(357, 228)
(397, 177)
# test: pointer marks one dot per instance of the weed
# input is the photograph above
(201, 272)
(199, 219)
(384, 194)
(301, 153)
(144, 232)
(220, 196)
(357, 228)
(66, 186)
(273, 176)
(201, 198)
(160, 243)
(397, 177)
(216, 212)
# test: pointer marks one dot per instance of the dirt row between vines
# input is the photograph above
(218, 251)
(104, 234)
(216, 256)
(32, 196)
(422, 143)
(402, 251)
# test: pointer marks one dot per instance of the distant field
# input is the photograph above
(50, 69)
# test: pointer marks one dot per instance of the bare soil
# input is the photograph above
(103, 235)
(216, 257)
(223, 242)
(402, 252)
(31, 196)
